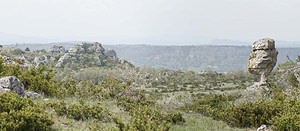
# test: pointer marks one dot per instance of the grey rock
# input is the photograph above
(4, 90)
(12, 83)
(111, 53)
(8, 60)
(56, 51)
(20, 60)
(263, 58)
(32, 95)
(86, 55)
(41, 60)
(87, 48)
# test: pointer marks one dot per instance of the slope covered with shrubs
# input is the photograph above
(141, 99)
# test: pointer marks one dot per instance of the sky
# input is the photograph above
(150, 21)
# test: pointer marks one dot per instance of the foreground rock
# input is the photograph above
(262, 60)
(12, 83)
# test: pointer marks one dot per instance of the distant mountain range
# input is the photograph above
(197, 58)
(7, 38)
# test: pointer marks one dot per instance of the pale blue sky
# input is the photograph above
(151, 21)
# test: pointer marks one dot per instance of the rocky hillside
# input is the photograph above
(79, 56)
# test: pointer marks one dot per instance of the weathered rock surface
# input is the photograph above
(53, 54)
(32, 95)
(41, 60)
(87, 55)
(12, 83)
(262, 60)
(56, 51)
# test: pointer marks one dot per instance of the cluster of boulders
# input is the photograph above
(19, 60)
(81, 55)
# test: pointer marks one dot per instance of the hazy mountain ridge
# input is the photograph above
(197, 58)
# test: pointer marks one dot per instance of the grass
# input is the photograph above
(198, 122)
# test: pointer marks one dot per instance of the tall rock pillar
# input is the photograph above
(262, 60)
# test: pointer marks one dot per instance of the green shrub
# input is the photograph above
(292, 80)
(287, 122)
(251, 114)
(40, 80)
(175, 118)
(144, 115)
(80, 111)
(281, 112)
(144, 118)
(21, 114)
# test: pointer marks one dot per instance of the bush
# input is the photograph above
(40, 80)
(175, 118)
(144, 118)
(281, 112)
(80, 111)
(251, 114)
(22, 114)
(287, 122)
(144, 115)
(292, 80)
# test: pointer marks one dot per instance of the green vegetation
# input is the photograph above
(118, 97)
(281, 112)
(21, 114)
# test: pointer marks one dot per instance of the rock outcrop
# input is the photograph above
(41, 60)
(53, 54)
(262, 60)
(12, 83)
(87, 55)
(56, 51)
(20, 60)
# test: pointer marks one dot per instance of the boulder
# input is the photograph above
(262, 60)
(32, 95)
(12, 83)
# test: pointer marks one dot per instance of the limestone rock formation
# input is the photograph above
(19, 60)
(87, 48)
(53, 54)
(262, 59)
(12, 83)
(41, 60)
(87, 55)
(111, 53)
(56, 51)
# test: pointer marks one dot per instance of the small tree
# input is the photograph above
(27, 49)
(298, 59)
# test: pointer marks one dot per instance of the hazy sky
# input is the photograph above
(151, 21)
